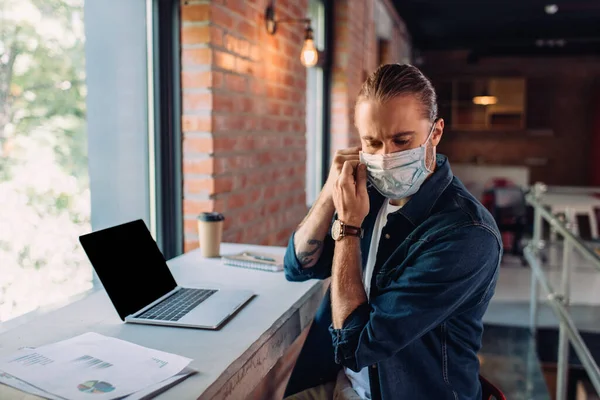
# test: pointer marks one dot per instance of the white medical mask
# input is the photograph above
(398, 175)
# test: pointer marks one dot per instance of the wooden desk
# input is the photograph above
(231, 362)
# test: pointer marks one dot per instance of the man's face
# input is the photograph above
(394, 126)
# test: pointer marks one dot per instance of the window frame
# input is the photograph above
(321, 170)
(164, 42)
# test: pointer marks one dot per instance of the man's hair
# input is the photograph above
(392, 80)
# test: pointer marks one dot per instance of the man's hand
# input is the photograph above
(350, 196)
(341, 156)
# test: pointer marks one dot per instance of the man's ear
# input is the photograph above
(438, 131)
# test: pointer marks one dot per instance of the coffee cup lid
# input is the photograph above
(211, 217)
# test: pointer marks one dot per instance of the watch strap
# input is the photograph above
(349, 230)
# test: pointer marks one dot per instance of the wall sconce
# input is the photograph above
(309, 55)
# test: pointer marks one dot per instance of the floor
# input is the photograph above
(510, 304)
(510, 355)
(509, 360)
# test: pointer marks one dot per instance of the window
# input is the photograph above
(317, 107)
(44, 181)
(81, 148)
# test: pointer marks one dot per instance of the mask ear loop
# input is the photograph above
(425, 144)
(431, 131)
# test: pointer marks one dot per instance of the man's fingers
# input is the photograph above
(361, 177)
(351, 150)
(348, 170)
(340, 159)
(346, 178)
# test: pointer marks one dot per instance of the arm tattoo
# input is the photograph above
(306, 257)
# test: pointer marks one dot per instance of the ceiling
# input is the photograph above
(504, 26)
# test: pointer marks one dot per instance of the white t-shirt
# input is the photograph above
(360, 380)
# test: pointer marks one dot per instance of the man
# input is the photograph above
(413, 259)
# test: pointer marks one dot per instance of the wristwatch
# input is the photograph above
(339, 230)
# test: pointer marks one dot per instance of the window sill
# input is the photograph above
(39, 312)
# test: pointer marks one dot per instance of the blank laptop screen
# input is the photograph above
(129, 264)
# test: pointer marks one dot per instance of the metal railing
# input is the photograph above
(559, 300)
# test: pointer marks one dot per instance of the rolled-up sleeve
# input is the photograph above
(453, 273)
(321, 270)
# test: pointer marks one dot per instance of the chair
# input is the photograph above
(489, 391)
(509, 209)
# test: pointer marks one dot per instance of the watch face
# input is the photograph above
(336, 230)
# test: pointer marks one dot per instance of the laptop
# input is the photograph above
(138, 282)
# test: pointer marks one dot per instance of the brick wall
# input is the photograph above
(559, 98)
(244, 111)
(243, 119)
(356, 56)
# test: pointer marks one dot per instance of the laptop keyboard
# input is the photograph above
(176, 306)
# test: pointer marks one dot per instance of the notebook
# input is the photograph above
(253, 260)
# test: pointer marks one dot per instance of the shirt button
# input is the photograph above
(387, 236)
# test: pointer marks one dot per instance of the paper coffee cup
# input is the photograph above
(210, 233)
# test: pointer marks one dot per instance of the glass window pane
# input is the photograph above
(44, 182)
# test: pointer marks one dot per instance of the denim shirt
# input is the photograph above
(420, 331)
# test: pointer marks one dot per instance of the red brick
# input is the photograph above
(235, 83)
(283, 126)
(233, 237)
(194, 208)
(223, 102)
(216, 35)
(288, 80)
(243, 48)
(223, 144)
(201, 56)
(224, 123)
(223, 184)
(199, 166)
(190, 245)
(247, 30)
(239, 7)
(221, 17)
(243, 66)
(288, 110)
(193, 123)
(247, 106)
(274, 207)
(193, 79)
(230, 43)
(197, 101)
(237, 200)
(195, 34)
(255, 52)
(224, 60)
(195, 12)
(297, 96)
(257, 87)
(274, 109)
(282, 237)
(217, 79)
(197, 186)
(197, 145)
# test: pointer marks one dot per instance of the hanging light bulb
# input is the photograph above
(309, 54)
(485, 100)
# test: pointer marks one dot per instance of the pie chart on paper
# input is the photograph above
(95, 387)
